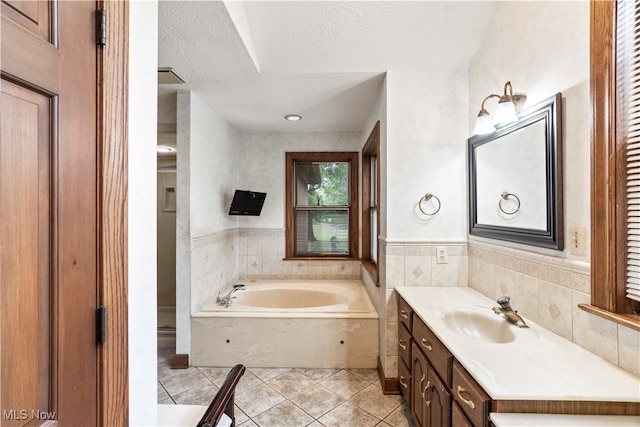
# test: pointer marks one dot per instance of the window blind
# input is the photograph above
(628, 87)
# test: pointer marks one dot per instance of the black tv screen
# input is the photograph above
(247, 202)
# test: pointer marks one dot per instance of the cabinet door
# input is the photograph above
(419, 368)
(438, 401)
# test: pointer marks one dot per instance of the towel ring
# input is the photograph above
(505, 196)
(426, 198)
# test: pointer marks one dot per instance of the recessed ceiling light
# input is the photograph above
(165, 149)
(293, 117)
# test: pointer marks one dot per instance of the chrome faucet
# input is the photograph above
(226, 299)
(508, 313)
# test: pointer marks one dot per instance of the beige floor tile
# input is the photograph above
(265, 374)
(258, 399)
(374, 402)
(370, 375)
(285, 414)
(382, 424)
(167, 401)
(183, 380)
(290, 383)
(248, 423)
(401, 417)
(317, 400)
(216, 375)
(348, 415)
(318, 374)
(162, 393)
(240, 416)
(315, 424)
(345, 384)
(197, 396)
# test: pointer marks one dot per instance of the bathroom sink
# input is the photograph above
(479, 323)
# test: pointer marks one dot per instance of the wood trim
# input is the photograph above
(180, 361)
(389, 385)
(371, 148)
(608, 204)
(113, 369)
(321, 156)
(566, 407)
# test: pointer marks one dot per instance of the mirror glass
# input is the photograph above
(515, 180)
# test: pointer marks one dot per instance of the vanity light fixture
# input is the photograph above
(293, 117)
(506, 112)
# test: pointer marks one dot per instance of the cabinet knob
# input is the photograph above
(426, 344)
(402, 344)
(404, 314)
(468, 402)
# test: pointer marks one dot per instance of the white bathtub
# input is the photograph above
(289, 323)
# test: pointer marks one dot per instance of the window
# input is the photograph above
(370, 205)
(614, 53)
(321, 192)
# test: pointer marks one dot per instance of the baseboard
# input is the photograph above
(389, 385)
(180, 361)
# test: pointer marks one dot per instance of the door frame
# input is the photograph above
(112, 165)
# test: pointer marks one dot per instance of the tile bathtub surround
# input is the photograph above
(283, 397)
(547, 290)
(261, 253)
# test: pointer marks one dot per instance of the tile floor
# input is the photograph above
(283, 397)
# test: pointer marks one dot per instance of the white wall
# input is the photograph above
(207, 250)
(143, 64)
(426, 112)
(166, 241)
(214, 169)
(543, 48)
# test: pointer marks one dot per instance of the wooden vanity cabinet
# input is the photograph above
(458, 419)
(427, 368)
(474, 402)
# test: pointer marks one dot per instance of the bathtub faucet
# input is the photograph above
(226, 299)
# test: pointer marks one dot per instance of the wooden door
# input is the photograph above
(48, 225)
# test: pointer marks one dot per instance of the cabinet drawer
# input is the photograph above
(438, 355)
(471, 398)
(404, 377)
(404, 344)
(405, 313)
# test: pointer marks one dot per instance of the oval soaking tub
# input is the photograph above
(289, 323)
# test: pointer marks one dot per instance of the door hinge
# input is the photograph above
(101, 27)
(101, 324)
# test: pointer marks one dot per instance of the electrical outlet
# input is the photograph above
(442, 255)
(577, 240)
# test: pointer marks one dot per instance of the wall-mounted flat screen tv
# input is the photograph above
(247, 202)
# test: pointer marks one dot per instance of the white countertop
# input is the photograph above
(553, 420)
(537, 365)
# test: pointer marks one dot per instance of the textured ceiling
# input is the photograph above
(254, 62)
